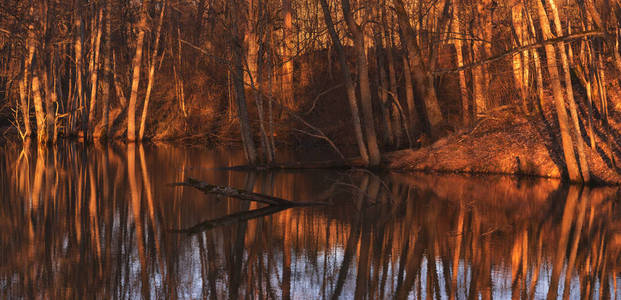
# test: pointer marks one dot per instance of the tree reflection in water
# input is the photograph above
(102, 222)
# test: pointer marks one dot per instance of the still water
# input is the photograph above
(105, 223)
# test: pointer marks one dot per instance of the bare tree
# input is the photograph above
(349, 85)
(131, 108)
(559, 101)
(365, 88)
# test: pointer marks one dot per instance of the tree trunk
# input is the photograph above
(94, 70)
(150, 80)
(520, 60)
(582, 159)
(179, 78)
(240, 93)
(365, 89)
(536, 61)
(78, 102)
(351, 92)
(457, 42)
(131, 108)
(24, 101)
(397, 120)
(39, 112)
(559, 101)
(589, 78)
(107, 72)
(265, 143)
(409, 91)
(423, 82)
(488, 35)
(616, 57)
(252, 45)
(49, 87)
(287, 51)
(381, 81)
(24, 108)
(478, 80)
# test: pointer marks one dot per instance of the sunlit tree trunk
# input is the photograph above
(488, 35)
(39, 111)
(349, 86)
(252, 45)
(536, 61)
(365, 88)
(152, 63)
(589, 78)
(49, 86)
(478, 77)
(287, 53)
(94, 68)
(521, 60)
(559, 101)
(137, 61)
(78, 103)
(616, 48)
(24, 82)
(270, 89)
(459, 53)
(24, 105)
(177, 71)
(107, 71)
(573, 110)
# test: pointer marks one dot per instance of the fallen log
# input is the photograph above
(242, 194)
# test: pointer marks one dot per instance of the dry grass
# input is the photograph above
(508, 142)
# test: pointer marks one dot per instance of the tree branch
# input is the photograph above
(241, 194)
(513, 51)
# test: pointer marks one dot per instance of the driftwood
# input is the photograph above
(243, 195)
(232, 219)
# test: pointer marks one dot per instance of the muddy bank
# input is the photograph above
(506, 142)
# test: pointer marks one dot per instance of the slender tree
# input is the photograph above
(423, 83)
(365, 87)
(238, 82)
(152, 62)
(349, 85)
(559, 101)
(137, 61)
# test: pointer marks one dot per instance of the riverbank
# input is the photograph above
(507, 142)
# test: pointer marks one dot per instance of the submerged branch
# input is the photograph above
(242, 194)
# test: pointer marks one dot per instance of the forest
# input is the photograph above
(526, 87)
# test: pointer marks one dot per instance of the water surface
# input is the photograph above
(104, 223)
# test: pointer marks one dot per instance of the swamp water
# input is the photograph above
(105, 223)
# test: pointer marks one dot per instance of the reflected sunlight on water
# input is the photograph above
(103, 222)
